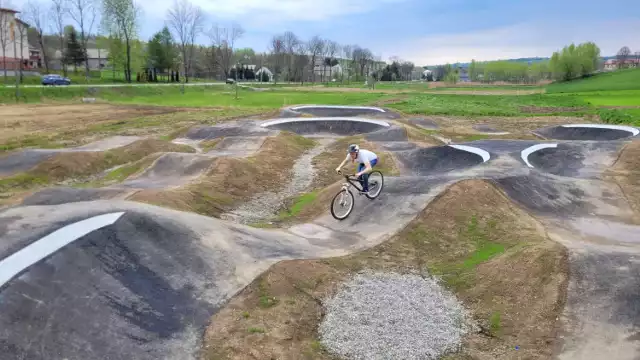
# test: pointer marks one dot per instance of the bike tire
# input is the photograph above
(381, 185)
(333, 213)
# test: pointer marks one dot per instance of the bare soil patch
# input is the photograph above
(78, 165)
(626, 173)
(494, 256)
(437, 84)
(232, 180)
(46, 126)
(549, 109)
(32, 119)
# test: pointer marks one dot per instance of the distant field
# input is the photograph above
(609, 81)
(496, 105)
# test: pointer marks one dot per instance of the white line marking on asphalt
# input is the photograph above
(338, 107)
(350, 119)
(472, 149)
(630, 129)
(40, 249)
(524, 154)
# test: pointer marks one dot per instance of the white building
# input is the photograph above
(14, 46)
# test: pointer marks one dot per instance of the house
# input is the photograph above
(35, 60)
(14, 46)
(612, 64)
(97, 58)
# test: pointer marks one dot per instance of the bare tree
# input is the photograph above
(623, 56)
(637, 54)
(330, 54)
(301, 61)
(290, 43)
(186, 21)
(315, 47)
(84, 13)
(223, 42)
(347, 52)
(122, 15)
(38, 19)
(278, 53)
(58, 10)
(21, 36)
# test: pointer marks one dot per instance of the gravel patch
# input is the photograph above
(265, 205)
(393, 316)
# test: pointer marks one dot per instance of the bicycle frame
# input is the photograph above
(350, 182)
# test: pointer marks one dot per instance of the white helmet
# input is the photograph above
(353, 148)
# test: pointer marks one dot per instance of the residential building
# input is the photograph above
(14, 47)
(612, 64)
(98, 59)
(35, 60)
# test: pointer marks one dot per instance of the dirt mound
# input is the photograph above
(342, 111)
(68, 165)
(494, 256)
(231, 180)
(439, 159)
(327, 161)
(171, 169)
(339, 126)
(626, 173)
(63, 195)
(394, 133)
(488, 129)
(586, 132)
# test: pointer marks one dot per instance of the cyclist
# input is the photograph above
(366, 160)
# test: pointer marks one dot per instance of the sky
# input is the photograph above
(426, 32)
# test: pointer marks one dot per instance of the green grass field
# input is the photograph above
(628, 79)
(598, 94)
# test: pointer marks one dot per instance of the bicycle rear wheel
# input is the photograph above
(376, 183)
(342, 204)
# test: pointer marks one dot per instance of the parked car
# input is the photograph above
(230, 81)
(54, 79)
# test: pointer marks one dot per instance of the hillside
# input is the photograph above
(607, 81)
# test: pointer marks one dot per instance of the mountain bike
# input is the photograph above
(344, 199)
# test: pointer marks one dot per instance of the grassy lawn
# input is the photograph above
(483, 105)
(628, 79)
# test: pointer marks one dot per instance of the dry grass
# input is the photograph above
(626, 173)
(232, 180)
(495, 257)
(77, 165)
(47, 126)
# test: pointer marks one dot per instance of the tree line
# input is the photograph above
(69, 27)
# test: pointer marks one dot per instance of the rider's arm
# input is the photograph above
(342, 163)
(367, 168)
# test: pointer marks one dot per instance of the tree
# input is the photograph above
(160, 50)
(574, 61)
(84, 13)
(223, 41)
(623, 56)
(123, 15)
(277, 49)
(637, 54)
(315, 47)
(38, 19)
(74, 53)
(331, 49)
(186, 20)
(290, 42)
(58, 10)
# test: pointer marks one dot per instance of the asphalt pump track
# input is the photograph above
(95, 278)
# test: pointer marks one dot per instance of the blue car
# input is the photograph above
(54, 79)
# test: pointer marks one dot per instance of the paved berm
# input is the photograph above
(217, 242)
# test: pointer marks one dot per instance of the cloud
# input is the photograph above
(520, 40)
(269, 11)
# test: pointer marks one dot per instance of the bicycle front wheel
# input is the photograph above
(342, 204)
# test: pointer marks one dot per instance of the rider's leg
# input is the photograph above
(363, 183)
